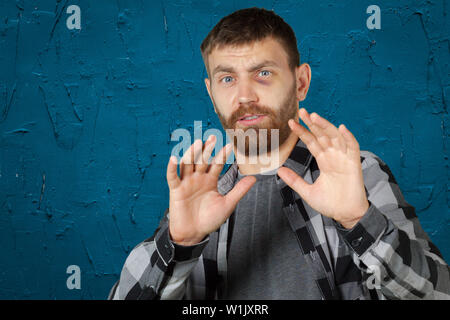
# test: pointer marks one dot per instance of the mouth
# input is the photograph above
(251, 119)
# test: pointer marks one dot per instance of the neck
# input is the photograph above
(256, 165)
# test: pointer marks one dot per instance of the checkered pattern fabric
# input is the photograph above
(386, 255)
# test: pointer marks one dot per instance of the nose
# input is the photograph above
(246, 93)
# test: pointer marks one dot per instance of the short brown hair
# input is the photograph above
(249, 25)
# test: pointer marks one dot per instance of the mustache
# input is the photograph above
(251, 108)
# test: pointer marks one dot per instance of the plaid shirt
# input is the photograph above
(386, 255)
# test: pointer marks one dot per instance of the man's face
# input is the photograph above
(253, 87)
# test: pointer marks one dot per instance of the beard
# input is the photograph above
(274, 120)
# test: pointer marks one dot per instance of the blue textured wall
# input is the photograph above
(86, 117)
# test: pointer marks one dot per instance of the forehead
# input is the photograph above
(246, 55)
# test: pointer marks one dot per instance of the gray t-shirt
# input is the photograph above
(264, 259)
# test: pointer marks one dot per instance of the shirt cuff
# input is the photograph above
(170, 251)
(366, 232)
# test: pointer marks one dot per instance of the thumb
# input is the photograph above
(238, 191)
(293, 180)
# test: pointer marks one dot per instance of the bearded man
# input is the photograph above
(324, 221)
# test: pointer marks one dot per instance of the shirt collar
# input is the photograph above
(299, 160)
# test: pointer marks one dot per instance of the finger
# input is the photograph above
(330, 130)
(187, 161)
(319, 133)
(238, 191)
(352, 143)
(197, 153)
(294, 181)
(206, 154)
(172, 176)
(220, 159)
(307, 137)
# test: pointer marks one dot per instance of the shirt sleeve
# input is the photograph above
(389, 244)
(157, 268)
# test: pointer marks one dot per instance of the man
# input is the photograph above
(324, 221)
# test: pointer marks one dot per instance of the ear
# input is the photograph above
(208, 87)
(302, 80)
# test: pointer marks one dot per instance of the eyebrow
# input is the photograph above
(229, 69)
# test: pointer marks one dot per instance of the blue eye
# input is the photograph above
(227, 79)
(264, 73)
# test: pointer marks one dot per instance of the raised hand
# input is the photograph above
(339, 191)
(196, 207)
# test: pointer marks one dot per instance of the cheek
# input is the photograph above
(219, 108)
(275, 96)
(225, 96)
(266, 94)
(223, 102)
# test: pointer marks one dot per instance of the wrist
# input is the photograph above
(349, 224)
(356, 216)
(185, 241)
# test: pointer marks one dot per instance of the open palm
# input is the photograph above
(196, 207)
(339, 191)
